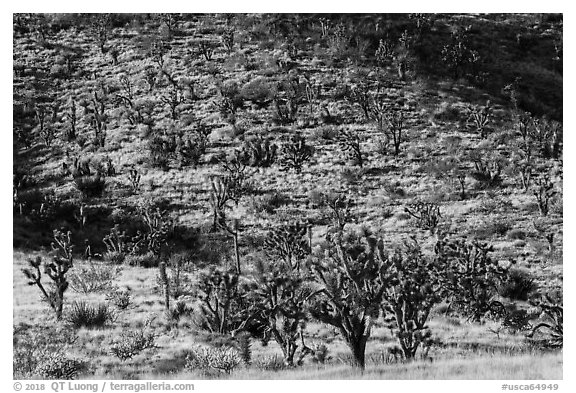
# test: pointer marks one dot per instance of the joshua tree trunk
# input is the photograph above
(358, 348)
(236, 251)
(164, 279)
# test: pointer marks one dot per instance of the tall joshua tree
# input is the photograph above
(352, 279)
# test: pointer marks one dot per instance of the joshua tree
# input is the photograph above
(408, 300)
(227, 39)
(219, 197)
(296, 152)
(340, 209)
(395, 127)
(350, 142)
(289, 244)
(426, 214)
(173, 99)
(480, 117)
(100, 28)
(223, 301)
(56, 270)
(544, 192)
(351, 278)
(280, 296)
(470, 277)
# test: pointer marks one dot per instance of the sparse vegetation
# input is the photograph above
(254, 196)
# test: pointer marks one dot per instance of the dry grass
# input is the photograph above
(470, 351)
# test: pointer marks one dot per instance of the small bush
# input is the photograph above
(131, 344)
(97, 277)
(497, 227)
(516, 234)
(258, 152)
(90, 186)
(269, 203)
(518, 285)
(516, 321)
(220, 359)
(121, 299)
(259, 91)
(34, 347)
(271, 363)
(320, 354)
(84, 315)
(59, 366)
(115, 257)
(179, 310)
(147, 260)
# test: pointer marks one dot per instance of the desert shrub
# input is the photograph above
(351, 175)
(83, 314)
(516, 234)
(59, 366)
(42, 207)
(258, 152)
(516, 320)
(221, 359)
(90, 186)
(119, 298)
(320, 354)
(229, 100)
(131, 343)
(518, 285)
(244, 347)
(180, 310)
(96, 277)
(259, 90)
(146, 260)
(161, 148)
(551, 322)
(427, 215)
(498, 227)
(287, 95)
(395, 190)
(327, 133)
(272, 363)
(35, 347)
(269, 203)
(189, 150)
